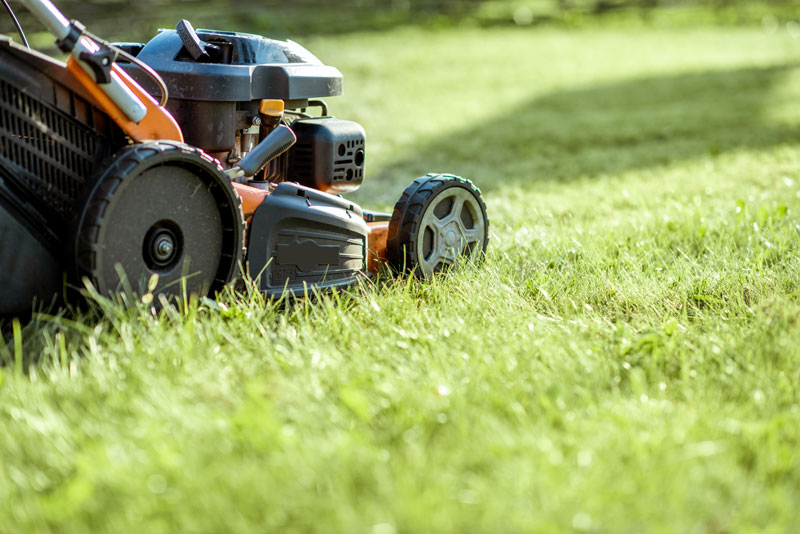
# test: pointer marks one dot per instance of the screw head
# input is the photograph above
(163, 248)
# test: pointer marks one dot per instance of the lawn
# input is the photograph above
(626, 359)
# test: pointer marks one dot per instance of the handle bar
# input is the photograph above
(70, 39)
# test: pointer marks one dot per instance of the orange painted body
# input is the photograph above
(376, 255)
(252, 197)
(158, 124)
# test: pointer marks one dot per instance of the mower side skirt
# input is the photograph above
(301, 239)
(378, 231)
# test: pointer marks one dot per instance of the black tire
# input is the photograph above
(417, 235)
(162, 208)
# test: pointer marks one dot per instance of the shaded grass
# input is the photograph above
(615, 127)
(625, 359)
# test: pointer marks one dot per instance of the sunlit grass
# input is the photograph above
(624, 360)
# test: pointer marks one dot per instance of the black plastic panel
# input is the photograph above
(29, 270)
(302, 239)
(207, 125)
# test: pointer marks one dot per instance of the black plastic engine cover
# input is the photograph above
(329, 154)
(250, 67)
(305, 240)
(213, 98)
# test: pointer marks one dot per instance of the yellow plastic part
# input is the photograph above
(271, 107)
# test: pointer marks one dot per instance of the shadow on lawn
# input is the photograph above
(613, 128)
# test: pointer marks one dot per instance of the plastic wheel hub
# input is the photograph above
(438, 219)
(162, 246)
(453, 221)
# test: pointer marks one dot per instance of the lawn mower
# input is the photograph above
(178, 164)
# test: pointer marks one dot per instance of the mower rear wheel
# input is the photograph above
(165, 209)
(438, 219)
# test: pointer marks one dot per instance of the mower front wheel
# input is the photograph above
(438, 219)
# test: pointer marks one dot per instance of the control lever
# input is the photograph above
(192, 43)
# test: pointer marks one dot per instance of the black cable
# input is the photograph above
(162, 87)
(16, 23)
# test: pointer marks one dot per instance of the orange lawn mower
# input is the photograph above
(192, 157)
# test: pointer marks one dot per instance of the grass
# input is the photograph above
(625, 360)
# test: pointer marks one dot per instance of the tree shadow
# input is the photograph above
(609, 129)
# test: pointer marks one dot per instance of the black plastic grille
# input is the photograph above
(49, 152)
(303, 162)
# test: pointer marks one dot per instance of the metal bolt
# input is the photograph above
(164, 248)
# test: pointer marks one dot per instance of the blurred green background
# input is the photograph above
(129, 20)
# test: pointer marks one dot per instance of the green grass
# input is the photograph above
(625, 360)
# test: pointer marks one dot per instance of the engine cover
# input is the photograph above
(249, 68)
(329, 154)
(302, 239)
(213, 98)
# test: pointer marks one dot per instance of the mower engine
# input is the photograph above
(216, 86)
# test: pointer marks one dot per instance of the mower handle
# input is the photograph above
(69, 37)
